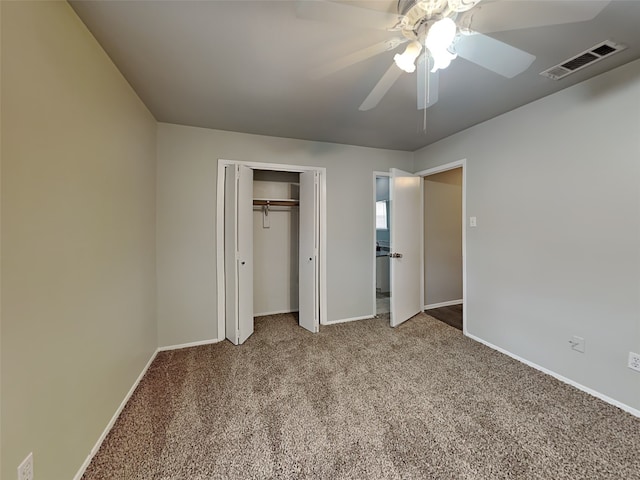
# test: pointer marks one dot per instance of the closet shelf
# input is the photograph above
(275, 202)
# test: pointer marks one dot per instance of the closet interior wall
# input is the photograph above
(275, 243)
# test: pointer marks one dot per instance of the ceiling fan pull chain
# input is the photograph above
(426, 67)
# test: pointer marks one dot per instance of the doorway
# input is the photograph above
(405, 193)
(444, 243)
(236, 236)
(407, 238)
(382, 247)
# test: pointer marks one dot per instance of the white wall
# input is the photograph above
(443, 237)
(186, 242)
(275, 249)
(78, 236)
(555, 186)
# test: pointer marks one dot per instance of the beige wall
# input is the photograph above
(186, 196)
(555, 186)
(443, 237)
(78, 236)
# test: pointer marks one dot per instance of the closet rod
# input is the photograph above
(277, 203)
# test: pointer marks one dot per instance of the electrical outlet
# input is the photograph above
(25, 469)
(577, 344)
(634, 361)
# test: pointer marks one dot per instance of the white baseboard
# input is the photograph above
(443, 304)
(187, 345)
(345, 320)
(590, 391)
(115, 416)
(278, 312)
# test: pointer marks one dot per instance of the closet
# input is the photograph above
(271, 240)
(276, 202)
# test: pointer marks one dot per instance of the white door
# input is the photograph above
(406, 230)
(308, 303)
(238, 248)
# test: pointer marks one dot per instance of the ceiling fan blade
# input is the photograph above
(381, 88)
(493, 54)
(357, 57)
(331, 12)
(428, 82)
(517, 14)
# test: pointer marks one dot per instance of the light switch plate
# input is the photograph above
(634, 361)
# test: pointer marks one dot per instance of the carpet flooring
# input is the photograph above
(361, 400)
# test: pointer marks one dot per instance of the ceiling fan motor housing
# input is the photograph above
(419, 15)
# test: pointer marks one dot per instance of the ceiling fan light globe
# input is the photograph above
(407, 60)
(439, 38)
(441, 35)
(403, 64)
(442, 60)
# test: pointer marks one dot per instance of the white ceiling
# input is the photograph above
(245, 66)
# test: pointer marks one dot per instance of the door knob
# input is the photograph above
(395, 255)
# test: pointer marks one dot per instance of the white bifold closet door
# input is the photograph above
(238, 248)
(405, 191)
(238, 252)
(308, 302)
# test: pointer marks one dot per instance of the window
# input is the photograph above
(382, 219)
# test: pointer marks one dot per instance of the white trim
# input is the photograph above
(115, 416)
(443, 304)
(352, 319)
(421, 239)
(464, 246)
(220, 251)
(557, 376)
(190, 344)
(322, 179)
(443, 168)
(277, 312)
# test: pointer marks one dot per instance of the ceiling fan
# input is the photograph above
(438, 31)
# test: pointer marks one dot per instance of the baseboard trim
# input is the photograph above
(279, 312)
(352, 319)
(443, 304)
(115, 416)
(623, 406)
(187, 345)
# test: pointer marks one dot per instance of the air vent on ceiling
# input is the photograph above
(594, 54)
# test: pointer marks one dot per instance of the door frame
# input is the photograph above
(322, 225)
(432, 171)
(375, 266)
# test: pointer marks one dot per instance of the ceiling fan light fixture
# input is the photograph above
(407, 61)
(439, 38)
(462, 5)
(432, 6)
